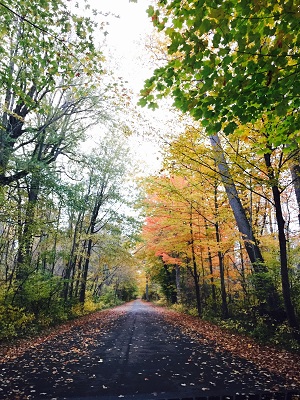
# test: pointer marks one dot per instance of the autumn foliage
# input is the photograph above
(194, 248)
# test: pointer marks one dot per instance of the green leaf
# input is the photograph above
(243, 54)
(177, 23)
(153, 105)
(230, 128)
(189, 23)
(216, 39)
(150, 11)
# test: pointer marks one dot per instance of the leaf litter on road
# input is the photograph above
(277, 361)
(210, 357)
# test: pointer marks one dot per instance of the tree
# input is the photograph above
(188, 154)
(239, 212)
(45, 50)
(167, 234)
(186, 228)
(63, 129)
(104, 195)
(275, 163)
(266, 176)
(55, 219)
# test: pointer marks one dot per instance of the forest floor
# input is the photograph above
(140, 351)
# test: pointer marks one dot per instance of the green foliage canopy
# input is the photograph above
(43, 43)
(230, 62)
(45, 48)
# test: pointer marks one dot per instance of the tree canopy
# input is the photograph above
(230, 62)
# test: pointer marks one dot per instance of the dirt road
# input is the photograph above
(128, 352)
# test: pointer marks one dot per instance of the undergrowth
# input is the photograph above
(262, 330)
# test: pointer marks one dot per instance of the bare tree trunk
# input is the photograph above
(295, 172)
(286, 291)
(194, 270)
(241, 219)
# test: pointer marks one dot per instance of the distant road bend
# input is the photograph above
(130, 352)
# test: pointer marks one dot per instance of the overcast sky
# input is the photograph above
(126, 38)
(126, 54)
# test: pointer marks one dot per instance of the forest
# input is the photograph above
(215, 231)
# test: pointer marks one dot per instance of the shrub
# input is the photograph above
(193, 312)
(109, 298)
(14, 321)
(179, 308)
(283, 337)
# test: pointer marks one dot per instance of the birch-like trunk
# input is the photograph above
(295, 172)
(265, 288)
(241, 219)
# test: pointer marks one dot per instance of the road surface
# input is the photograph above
(136, 355)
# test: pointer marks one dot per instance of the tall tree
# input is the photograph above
(63, 128)
(45, 48)
(189, 154)
(106, 170)
(241, 218)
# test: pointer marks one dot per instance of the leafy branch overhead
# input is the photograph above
(229, 62)
(58, 43)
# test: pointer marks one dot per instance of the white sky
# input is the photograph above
(126, 55)
(126, 38)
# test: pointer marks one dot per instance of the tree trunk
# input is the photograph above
(90, 231)
(286, 292)
(241, 219)
(210, 263)
(79, 268)
(295, 172)
(70, 267)
(212, 281)
(178, 284)
(225, 313)
(195, 273)
(82, 292)
(243, 276)
(265, 289)
(27, 234)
